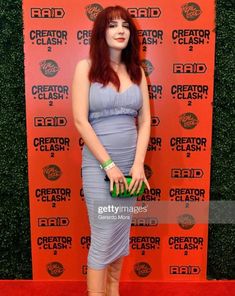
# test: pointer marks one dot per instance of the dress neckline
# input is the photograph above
(114, 90)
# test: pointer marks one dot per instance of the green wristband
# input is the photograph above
(106, 163)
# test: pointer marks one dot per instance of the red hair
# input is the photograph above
(100, 70)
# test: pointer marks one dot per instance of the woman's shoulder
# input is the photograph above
(84, 63)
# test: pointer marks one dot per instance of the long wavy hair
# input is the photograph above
(100, 70)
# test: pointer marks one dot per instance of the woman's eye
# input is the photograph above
(111, 25)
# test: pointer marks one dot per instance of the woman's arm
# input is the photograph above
(144, 125)
(80, 106)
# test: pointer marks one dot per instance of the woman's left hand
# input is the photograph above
(138, 176)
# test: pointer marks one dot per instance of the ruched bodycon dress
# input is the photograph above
(112, 116)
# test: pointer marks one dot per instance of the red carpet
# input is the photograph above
(75, 288)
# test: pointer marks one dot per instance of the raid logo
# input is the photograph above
(53, 195)
(142, 269)
(189, 68)
(50, 93)
(155, 143)
(191, 11)
(184, 269)
(51, 144)
(54, 243)
(144, 243)
(48, 37)
(55, 268)
(189, 92)
(56, 121)
(46, 12)
(92, 10)
(187, 194)
(154, 194)
(155, 121)
(186, 243)
(186, 221)
(188, 120)
(85, 242)
(144, 12)
(147, 66)
(49, 68)
(84, 37)
(53, 221)
(186, 173)
(155, 91)
(144, 221)
(52, 172)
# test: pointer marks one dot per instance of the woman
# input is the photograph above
(109, 91)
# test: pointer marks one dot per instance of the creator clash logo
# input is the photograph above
(92, 10)
(191, 11)
(52, 172)
(49, 68)
(142, 269)
(188, 120)
(55, 269)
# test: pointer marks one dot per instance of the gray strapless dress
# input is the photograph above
(112, 116)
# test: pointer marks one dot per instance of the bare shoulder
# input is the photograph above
(83, 65)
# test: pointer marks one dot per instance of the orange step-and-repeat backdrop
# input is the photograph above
(177, 52)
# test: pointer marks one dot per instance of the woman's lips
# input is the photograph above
(120, 39)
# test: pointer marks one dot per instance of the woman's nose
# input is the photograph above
(120, 29)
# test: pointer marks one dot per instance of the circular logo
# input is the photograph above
(52, 172)
(147, 66)
(142, 269)
(55, 269)
(92, 10)
(188, 120)
(148, 171)
(186, 221)
(49, 68)
(191, 11)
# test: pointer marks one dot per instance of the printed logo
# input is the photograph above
(154, 194)
(186, 221)
(148, 171)
(155, 91)
(191, 11)
(185, 244)
(142, 269)
(189, 173)
(84, 37)
(49, 68)
(53, 221)
(53, 12)
(145, 221)
(184, 269)
(55, 269)
(53, 195)
(52, 172)
(56, 121)
(144, 243)
(155, 143)
(85, 242)
(191, 37)
(188, 144)
(144, 12)
(189, 91)
(188, 120)
(155, 121)
(147, 66)
(189, 68)
(51, 144)
(92, 10)
(187, 194)
(50, 93)
(54, 243)
(150, 37)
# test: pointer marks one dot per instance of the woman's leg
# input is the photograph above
(113, 277)
(96, 281)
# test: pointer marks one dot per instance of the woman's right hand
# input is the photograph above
(116, 176)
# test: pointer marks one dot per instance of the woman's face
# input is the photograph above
(117, 34)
